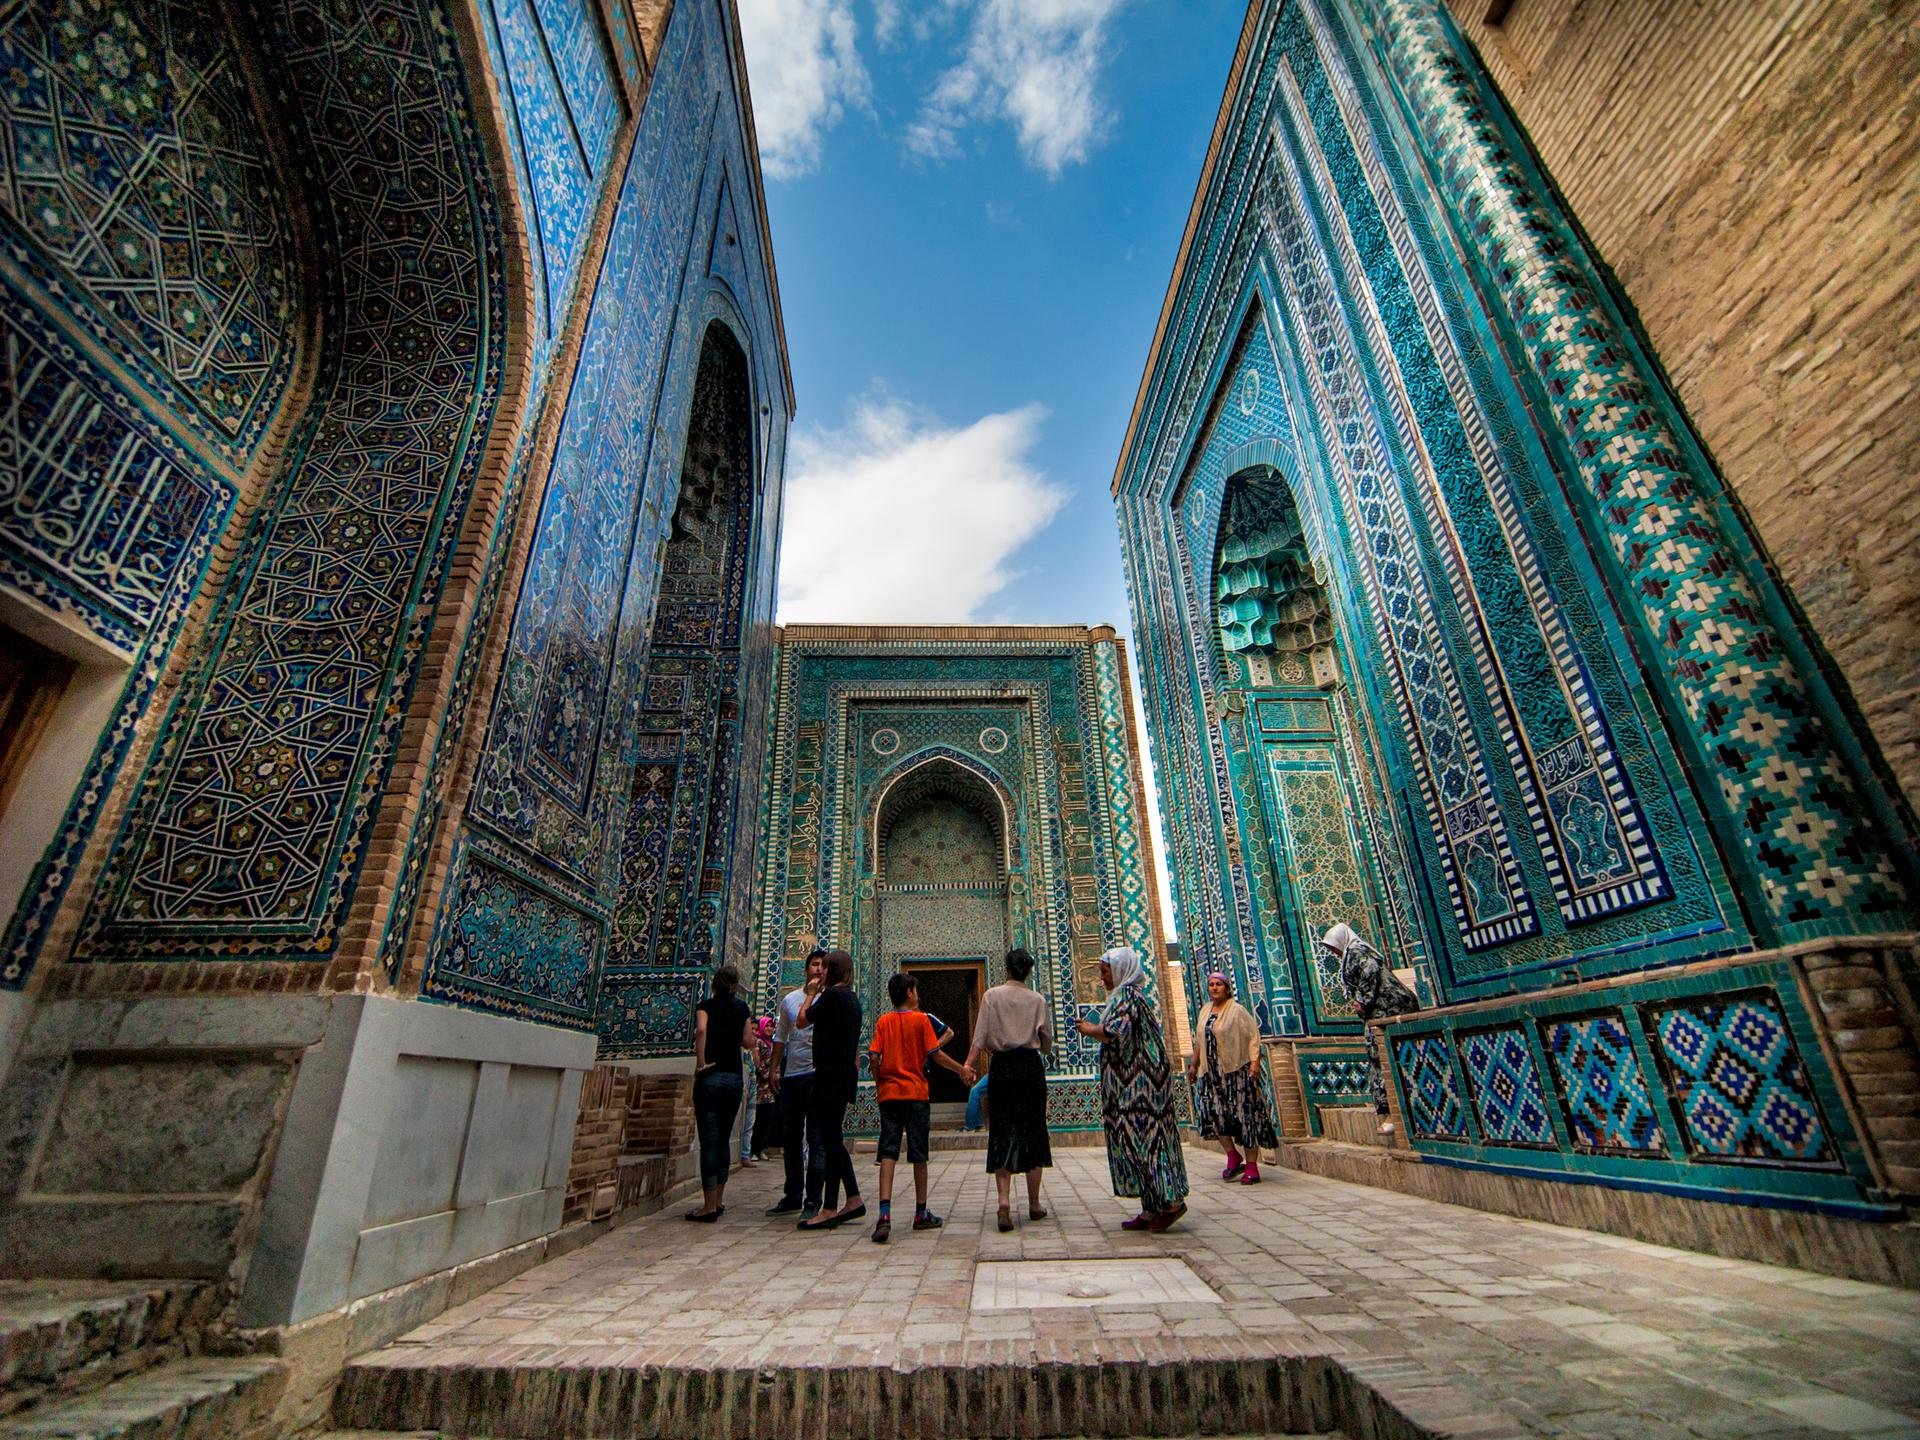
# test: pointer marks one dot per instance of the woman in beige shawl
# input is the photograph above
(1229, 1102)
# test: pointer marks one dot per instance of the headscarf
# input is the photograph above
(1127, 971)
(1341, 938)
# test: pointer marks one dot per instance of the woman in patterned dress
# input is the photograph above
(1376, 992)
(1229, 1102)
(1136, 1096)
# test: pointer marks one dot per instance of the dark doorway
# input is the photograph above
(949, 991)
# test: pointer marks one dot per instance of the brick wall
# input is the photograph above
(660, 1114)
(632, 1142)
(593, 1176)
(1867, 1021)
(1748, 170)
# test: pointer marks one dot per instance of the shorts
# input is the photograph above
(908, 1117)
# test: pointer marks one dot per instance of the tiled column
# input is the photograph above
(1786, 790)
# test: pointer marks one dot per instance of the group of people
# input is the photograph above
(809, 1069)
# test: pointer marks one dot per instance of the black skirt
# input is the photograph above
(1017, 1112)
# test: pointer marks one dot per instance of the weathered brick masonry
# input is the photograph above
(1748, 170)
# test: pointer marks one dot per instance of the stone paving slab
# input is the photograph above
(1499, 1325)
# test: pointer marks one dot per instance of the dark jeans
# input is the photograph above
(800, 1147)
(716, 1100)
(828, 1110)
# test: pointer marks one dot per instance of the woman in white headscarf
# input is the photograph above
(1136, 1096)
(1375, 992)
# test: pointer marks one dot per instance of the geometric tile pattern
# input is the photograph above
(981, 771)
(147, 340)
(1602, 1092)
(1334, 1080)
(1323, 860)
(614, 750)
(558, 185)
(1468, 827)
(1425, 1064)
(138, 188)
(1129, 858)
(1588, 823)
(246, 837)
(1731, 1064)
(1808, 839)
(1505, 1085)
(1335, 1077)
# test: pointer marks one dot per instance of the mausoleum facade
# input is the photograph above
(1452, 632)
(938, 795)
(396, 401)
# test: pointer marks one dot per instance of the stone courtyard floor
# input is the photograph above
(1546, 1330)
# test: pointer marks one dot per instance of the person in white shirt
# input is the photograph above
(806, 1161)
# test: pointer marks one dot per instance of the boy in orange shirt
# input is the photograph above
(903, 1041)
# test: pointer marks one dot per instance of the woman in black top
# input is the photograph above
(718, 1026)
(833, 1014)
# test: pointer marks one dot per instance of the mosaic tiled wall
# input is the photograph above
(154, 294)
(594, 876)
(183, 201)
(949, 797)
(1550, 722)
(1696, 1083)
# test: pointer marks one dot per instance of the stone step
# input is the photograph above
(395, 1393)
(1357, 1125)
(62, 1336)
(434, 1435)
(205, 1398)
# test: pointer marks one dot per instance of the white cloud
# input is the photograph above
(897, 517)
(804, 70)
(1035, 63)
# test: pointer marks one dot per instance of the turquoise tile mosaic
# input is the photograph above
(1408, 517)
(1735, 1072)
(1504, 1082)
(1433, 1108)
(884, 741)
(1602, 1092)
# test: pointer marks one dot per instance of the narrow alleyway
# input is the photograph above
(1500, 1326)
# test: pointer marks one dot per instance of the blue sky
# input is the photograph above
(975, 208)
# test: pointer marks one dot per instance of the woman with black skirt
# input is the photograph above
(834, 1017)
(1012, 1027)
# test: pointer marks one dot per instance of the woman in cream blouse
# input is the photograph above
(1229, 1103)
(1012, 1027)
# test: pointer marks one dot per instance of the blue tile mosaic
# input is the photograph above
(1505, 1085)
(1425, 1067)
(245, 838)
(1602, 1092)
(1735, 1073)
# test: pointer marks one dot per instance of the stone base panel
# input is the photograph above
(1885, 1254)
(306, 1150)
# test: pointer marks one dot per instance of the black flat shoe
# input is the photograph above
(703, 1217)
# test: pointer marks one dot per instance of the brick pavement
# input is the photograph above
(1525, 1328)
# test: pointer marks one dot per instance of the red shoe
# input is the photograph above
(1234, 1167)
(1165, 1219)
(1252, 1177)
(1139, 1222)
